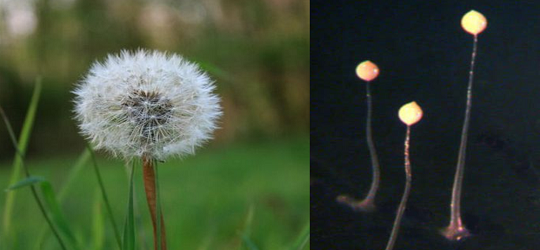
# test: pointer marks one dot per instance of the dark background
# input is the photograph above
(424, 55)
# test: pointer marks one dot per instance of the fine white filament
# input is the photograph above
(146, 103)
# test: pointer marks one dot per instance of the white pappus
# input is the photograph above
(146, 103)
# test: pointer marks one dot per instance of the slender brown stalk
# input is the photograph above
(370, 198)
(149, 178)
(405, 197)
(456, 230)
(368, 203)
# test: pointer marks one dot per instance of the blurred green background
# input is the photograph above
(257, 51)
(206, 200)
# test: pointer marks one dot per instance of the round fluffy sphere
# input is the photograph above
(367, 71)
(410, 113)
(148, 104)
(474, 22)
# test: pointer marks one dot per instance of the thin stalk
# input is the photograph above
(159, 223)
(11, 133)
(105, 197)
(373, 153)
(150, 187)
(66, 187)
(456, 230)
(23, 143)
(141, 233)
(27, 173)
(129, 227)
(405, 197)
(368, 203)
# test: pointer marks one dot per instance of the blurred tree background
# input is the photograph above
(257, 51)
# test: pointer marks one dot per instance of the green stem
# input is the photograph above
(23, 143)
(73, 174)
(27, 173)
(129, 227)
(158, 209)
(105, 197)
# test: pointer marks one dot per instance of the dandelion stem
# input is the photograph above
(150, 187)
(27, 173)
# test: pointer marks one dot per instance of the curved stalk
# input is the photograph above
(368, 203)
(373, 153)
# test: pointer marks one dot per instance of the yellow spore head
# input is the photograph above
(474, 22)
(410, 113)
(367, 71)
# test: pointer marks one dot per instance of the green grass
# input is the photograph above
(209, 200)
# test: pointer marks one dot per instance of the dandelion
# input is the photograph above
(148, 105)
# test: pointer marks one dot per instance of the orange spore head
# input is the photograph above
(410, 113)
(474, 22)
(367, 71)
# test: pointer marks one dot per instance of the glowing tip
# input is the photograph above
(474, 22)
(410, 113)
(367, 71)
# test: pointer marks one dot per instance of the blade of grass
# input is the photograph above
(246, 235)
(21, 148)
(25, 182)
(140, 232)
(249, 243)
(98, 227)
(129, 229)
(104, 195)
(249, 220)
(215, 71)
(19, 157)
(73, 174)
(56, 212)
(159, 216)
(302, 240)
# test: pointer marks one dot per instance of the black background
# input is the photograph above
(424, 55)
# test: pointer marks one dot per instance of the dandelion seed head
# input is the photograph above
(146, 103)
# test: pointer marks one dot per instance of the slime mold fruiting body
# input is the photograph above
(473, 22)
(367, 71)
(409, 114)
